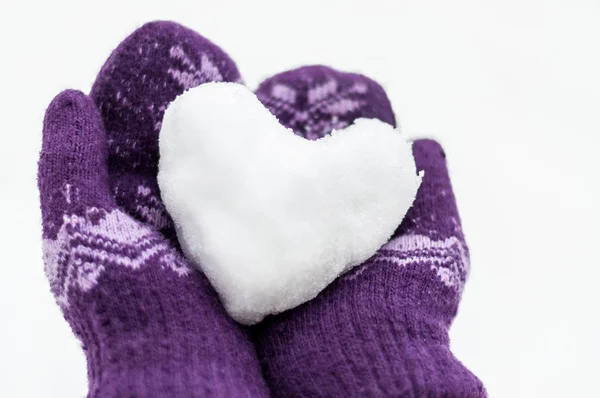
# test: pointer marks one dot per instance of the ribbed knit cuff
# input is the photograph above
(158, 369)
(381, 335)
(149, 334)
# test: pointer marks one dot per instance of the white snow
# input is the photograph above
(270, 217)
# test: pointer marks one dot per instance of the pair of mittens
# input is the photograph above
(151, 325)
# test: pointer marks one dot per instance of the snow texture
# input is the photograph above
(270, 217)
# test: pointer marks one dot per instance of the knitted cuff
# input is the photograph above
(358, 341)
(146, 337)
(167, 368)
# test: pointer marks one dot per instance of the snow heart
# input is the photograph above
(270, 217)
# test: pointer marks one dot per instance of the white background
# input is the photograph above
(511, 89)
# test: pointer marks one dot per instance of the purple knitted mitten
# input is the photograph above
(150, 325)
(381, 329)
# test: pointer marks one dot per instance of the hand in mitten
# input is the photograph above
(381, 329)
(150, 325)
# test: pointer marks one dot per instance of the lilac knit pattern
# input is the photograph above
(314, 100)
(382, 329)
(150, 325)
